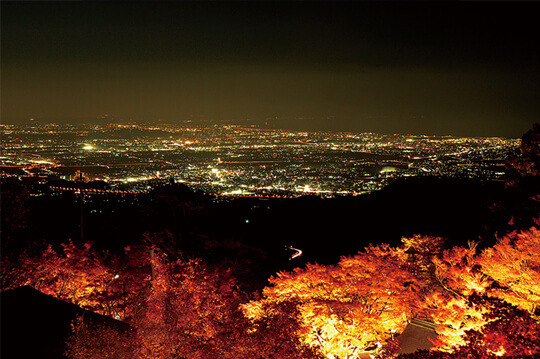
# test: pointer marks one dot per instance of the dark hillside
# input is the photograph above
(456, 209)
(326, 229)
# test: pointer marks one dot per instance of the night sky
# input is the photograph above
(445, 68)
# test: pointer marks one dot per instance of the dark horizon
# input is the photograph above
(445, 68)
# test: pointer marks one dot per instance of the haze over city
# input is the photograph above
(463, 69)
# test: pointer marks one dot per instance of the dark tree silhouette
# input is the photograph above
(14, 210)
(523, 181)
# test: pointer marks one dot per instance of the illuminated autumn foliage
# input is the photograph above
(192, 311)
(80, 275)
(514, 263)
(506, 331)
(457, 272)
(187, 310)
(348, 308)
(88, 341)
(454, 317)
(423, 248)
(510, 271)
(485, 303)
(357, 305)
(76, 275)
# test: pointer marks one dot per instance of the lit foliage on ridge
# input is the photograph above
(192, 311)
(514, 263)
(348, 308)
(340, 311)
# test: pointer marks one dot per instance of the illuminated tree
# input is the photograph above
(423, 248)
(454, 317)
(456, 278)
(447, 278)
(274, 334)
(12, 274)
(78, 275)
(507, 331)
(348, 308)
(420, 252)
(456, 271)
(100, 342)
(112, 285)
(514, 263)
(509, 271)
(190, 312)
(459, 276)
(128, 289)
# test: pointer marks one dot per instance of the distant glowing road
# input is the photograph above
(295, 255)
(94, 191)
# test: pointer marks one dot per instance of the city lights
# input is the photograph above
(246, 160)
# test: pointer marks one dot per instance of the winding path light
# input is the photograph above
(295, 255)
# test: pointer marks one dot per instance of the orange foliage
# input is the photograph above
(348, 308)
(419, 252)
(100, 342)
(188, 308)
(423, 248)
(338, 311)
(454, 317)
(456, 278)
(191, 311)
(456, 271)
(514, 263)
(77, 275)
(509, 331)
(509, 271)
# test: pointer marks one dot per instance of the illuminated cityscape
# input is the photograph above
(243, 159)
